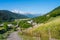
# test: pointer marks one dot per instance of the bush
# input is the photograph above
(5, 27)
(24, 24)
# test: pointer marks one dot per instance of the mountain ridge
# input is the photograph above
(55, 12)
(8, 15)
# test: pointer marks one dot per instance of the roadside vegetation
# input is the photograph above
(5, 30)
(24, 24)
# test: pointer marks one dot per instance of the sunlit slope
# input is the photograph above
(44, 18)
(52, 27)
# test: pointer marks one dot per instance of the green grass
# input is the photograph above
(53, 26)
(44, 18)
(1, 28)
(43, 30)
(5, 34)
(27, 37)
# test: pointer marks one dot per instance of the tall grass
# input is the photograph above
(53, 26)
(44, 31)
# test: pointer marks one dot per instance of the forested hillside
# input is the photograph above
(6, 15)
(46, 17)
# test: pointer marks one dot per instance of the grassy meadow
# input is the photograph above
(51, 29)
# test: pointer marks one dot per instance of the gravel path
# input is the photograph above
(14, 36)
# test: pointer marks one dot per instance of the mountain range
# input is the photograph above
(32, 15)
(8, 15)
(28, 14)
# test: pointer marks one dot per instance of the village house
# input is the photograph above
(32, 22)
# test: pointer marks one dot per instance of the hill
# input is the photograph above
(46, 30)
(44, 18)
(49, 27)
(6, 15)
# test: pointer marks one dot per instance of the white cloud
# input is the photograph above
(15, 11)
(21, 12)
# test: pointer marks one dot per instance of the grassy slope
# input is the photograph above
(49, 23)
(43, 30)
(44, 18)
(1, 28)
(53, 26)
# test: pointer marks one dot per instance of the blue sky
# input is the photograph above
(33, 6)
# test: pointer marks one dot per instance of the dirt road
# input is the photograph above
(14, 36)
